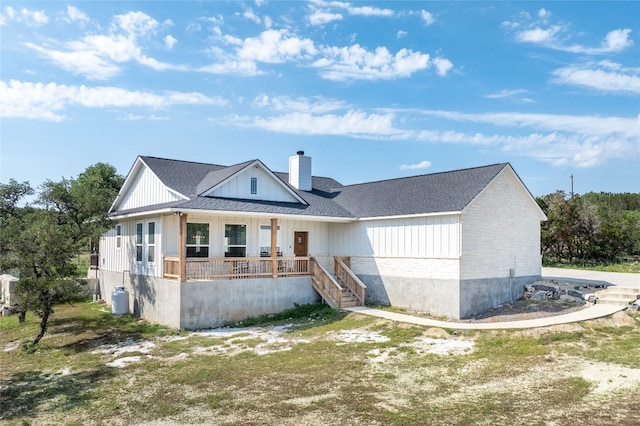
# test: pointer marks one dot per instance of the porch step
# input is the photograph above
(349, 300)
(620, 296)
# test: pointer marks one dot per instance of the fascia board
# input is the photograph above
(411, 216)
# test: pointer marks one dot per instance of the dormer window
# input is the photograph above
(254, 186)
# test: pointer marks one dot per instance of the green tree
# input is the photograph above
(598, 227)
(41, 241)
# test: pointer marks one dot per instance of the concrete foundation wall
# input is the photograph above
(438, 297)
(154, 299)
(203, 304)
(481, 295)
(427, 285)
(215, 303)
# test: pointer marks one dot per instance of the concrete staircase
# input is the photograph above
(616, 295)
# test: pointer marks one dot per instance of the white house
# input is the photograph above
(199, 245)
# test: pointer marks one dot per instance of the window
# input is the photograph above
(197, 240)
(118, 236)
(235, 240)
(139, 242)
(265, 241)
(254, 186)
(151, 242)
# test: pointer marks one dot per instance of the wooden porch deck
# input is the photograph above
(343, 289)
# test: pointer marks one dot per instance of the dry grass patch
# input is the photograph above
(326, 368)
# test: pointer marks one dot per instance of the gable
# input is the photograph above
(508, 188)
(266, 185)
(143, 188)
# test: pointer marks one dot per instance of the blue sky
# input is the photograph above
(370, 90)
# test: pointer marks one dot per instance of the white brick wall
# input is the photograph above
(406, 267)
(500, 231)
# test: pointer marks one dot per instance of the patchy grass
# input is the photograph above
(314, 365)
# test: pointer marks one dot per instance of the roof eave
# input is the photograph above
(176, 210)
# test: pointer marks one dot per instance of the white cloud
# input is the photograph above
(401, 34)
(443, 66)
(603, 76)
(324, 12)
(136, 23)
(230, 66)
(539, 35)
(40, 101)
(506, 93)
(316, 105)
(352, 123)
(251, 16)
(584, 141)
(544, 13)
(170, 41)
(32, 18)
(321, 17)
(98, 56)
(275, 46)
(86, 63)
(352, 62)
(427, 17)
(76, 15)
(357, 63)
(369, 11)
(556, 36)
(419, 166)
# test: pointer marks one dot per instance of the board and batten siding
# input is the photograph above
(318, 234)
(416, 237)
(268, 188)
(146, 190)
(501, 231)
(123, 258)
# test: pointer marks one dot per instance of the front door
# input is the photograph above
(300, 243)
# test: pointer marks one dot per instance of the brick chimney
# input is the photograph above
(300, 171)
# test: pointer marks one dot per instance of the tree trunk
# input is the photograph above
(43, 326)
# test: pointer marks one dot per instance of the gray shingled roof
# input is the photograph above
(432, 193)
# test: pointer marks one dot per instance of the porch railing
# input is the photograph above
(325, 284)
(342, 269)
(210, 268)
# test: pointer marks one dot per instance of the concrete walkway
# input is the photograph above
(588, 313)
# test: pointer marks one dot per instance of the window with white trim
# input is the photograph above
(254, 185)
(118, 236)
(235, 240)
(139, 242)
(197, 240)
(151, 242)
(265, 241)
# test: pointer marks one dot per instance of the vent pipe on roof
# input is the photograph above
(300, 171)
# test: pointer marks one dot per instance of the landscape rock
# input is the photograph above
(539, 295)
(545, 287)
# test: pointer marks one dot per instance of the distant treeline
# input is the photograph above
(594, 227)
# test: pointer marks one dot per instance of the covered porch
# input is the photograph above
(233, 264)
